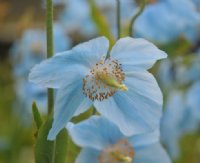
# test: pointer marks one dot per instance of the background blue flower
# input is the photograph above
(157, 19)
(97, 136)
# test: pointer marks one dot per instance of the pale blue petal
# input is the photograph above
(136, 110)
(144, 84)
(144, 96)
(69, 66)
(153, 153)
(84, 106)
(58, 71)
(92, 51)
(88, 155)
(145, 139)
(136, 54)
(121, 113)
(68, 99)
(96, 132)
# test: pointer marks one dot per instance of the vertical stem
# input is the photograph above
(118, 19)
(50, 51)
(141, 9)
(50, 48)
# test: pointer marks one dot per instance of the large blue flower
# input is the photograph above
(103, 142)
(157, 18)
(120, 87)
(78, 21)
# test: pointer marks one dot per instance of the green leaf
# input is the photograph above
(36, 115)
(50, 151)
(72, 151)
(61, 147)
(101, 22)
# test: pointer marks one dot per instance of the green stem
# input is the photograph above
(50, 47)
(141, 9)
(50, 51)
(118, 19)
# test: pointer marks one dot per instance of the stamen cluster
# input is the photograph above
(121, 152)
(96, 84)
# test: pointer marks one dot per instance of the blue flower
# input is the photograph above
(82, 21)
(78, 21)
(28, 51)
(31, 48)
(181, 116)
(196, 2)
(156, 19)
(166, 74)
(120, 87)
(61, 40)
(103, 142)
(189, 73)
(26, 93)
(193, 100)
(170, 122)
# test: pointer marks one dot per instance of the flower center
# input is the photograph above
(121, 152)
(104, 79)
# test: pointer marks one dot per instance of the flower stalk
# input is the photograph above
(141, 9)
(50, 46)
(118, 16)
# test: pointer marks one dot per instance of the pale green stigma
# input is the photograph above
(121, 152)
(111, 81)
(122, 158)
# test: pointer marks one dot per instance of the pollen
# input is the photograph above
(121, 152)
(103, 80)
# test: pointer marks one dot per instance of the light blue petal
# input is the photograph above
(68, 99)
(144, 96)
(144, 84)
(145, 139)
(136, 54)
(117, 110)
(96, 132)
(69, 66)
(88, 155)
(137, 110)
(85, 105)
(92, 51)
(58, 71)
(153, 153)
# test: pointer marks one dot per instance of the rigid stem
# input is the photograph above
(118, 19)
(50, 51)
(141, 9)
(50, 47)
